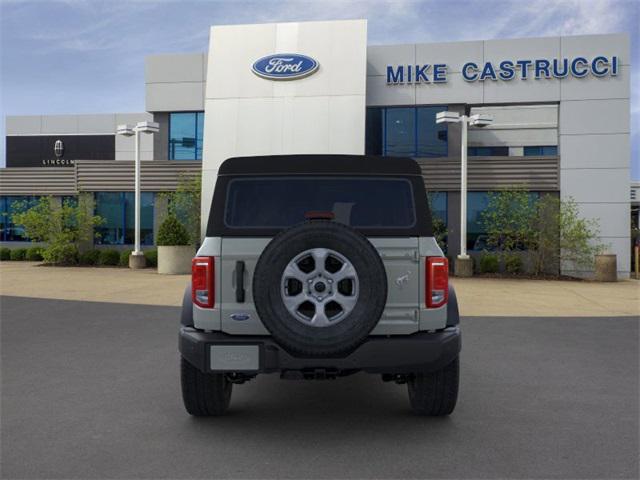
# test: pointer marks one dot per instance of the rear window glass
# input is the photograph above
(280, 202)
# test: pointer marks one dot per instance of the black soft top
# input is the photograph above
(327, 165)
(319, 164)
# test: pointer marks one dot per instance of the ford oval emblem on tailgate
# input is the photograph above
(285, 66)
(240, 317)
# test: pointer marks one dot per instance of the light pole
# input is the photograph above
(463, 264)
(136, 259)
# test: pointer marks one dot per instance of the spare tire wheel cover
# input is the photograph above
(320, 288)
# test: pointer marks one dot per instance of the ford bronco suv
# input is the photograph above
(314, 267)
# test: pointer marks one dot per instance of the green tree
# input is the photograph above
(184, 203)
(61, 227)
(507, 219)
(562, 236)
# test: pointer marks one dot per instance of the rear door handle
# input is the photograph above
(240, 281)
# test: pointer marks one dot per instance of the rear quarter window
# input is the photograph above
(280, 202)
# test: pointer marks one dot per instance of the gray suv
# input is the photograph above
(315, 267)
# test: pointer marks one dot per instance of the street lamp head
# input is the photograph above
(480, 120)
(125, 130)
(147, 127)
(447, 117)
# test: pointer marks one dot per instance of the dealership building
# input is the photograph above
(560, 108)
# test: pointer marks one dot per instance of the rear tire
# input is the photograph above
(204, 394)
(435, 394)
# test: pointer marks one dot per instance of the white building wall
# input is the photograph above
(249, 115)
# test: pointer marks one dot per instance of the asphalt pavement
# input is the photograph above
(91, 390)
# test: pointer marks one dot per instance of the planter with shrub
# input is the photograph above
(5, 253)
(174, 251)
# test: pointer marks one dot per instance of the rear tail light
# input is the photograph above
(437, 281)
(202, 281)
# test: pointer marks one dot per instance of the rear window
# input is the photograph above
(280, 202)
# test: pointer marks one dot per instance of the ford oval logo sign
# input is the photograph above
(285, 66)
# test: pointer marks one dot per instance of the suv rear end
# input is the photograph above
(319, 266)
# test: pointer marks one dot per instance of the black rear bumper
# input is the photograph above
(399, 354)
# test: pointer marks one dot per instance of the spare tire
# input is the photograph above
(319, 288)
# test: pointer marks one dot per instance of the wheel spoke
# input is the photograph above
(347, 302)
(320, 319)
(319, 257)
(346, 271)
(293, 271)
(293, 302)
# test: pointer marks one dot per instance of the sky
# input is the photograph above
(87, 56)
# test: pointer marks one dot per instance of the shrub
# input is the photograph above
(513, 263)
(90, 257)
(489, 263)
(62, 227)
(124, 258)
(184, 203)
(5, 253)
(57, 254)
(152, 257)
(172, 232)
(34, 254)
(109, 257)
(18, 254)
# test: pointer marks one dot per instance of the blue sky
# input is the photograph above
(74, 56)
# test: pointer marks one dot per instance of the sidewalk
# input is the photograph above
(476, 296)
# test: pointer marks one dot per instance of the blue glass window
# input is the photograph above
(488, 151)
(405, 131)
(185, 135)
(438, 205)
(544, 151)
(10, 232)
(117, 211)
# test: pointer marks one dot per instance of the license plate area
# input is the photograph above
(234, 358)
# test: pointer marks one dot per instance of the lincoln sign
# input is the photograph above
(578, 67)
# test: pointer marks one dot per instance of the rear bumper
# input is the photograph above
(420, 352)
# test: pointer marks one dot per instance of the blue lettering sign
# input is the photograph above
(397, 76)
(507, 71)
(439, 73)
(579, 67)
(421, 76)
(542, 68)
(524, 68)
(600, 66)
(565, 68)
(470, 77)
(488, 72)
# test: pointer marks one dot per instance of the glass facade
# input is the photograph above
(117, 211)
(488, 151)
(185, 135)
(405, 132)
(544, 151)
(438, 205)
(10, 232)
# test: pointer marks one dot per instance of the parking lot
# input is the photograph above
(90, 390)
